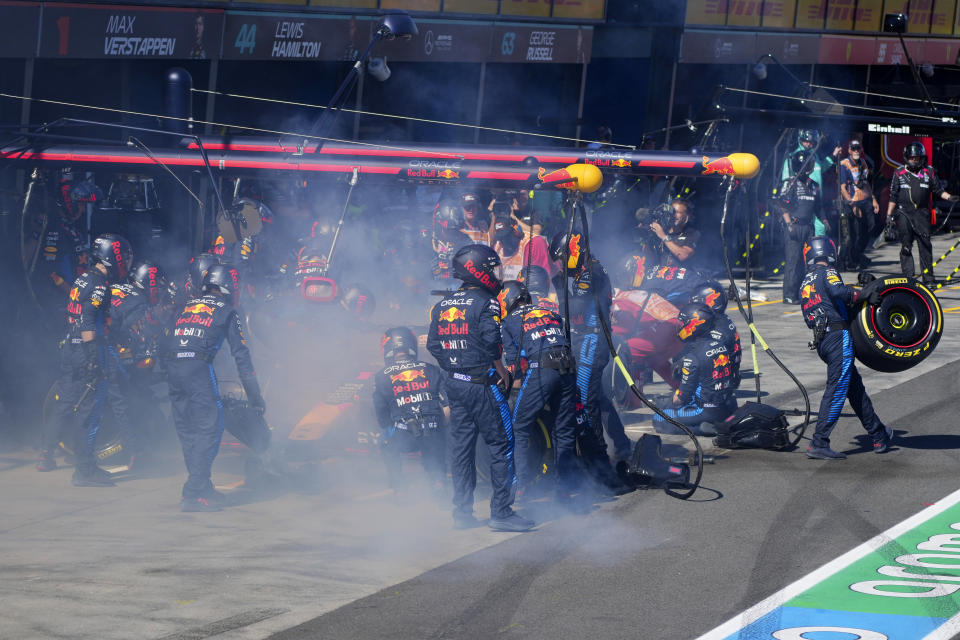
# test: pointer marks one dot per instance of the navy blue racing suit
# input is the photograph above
(536, 334)
(705, 392)
(190, 348)
(824, 299)
(465, 339)
(408, 398)
(82, 387)
(725, 332)
(591, 351)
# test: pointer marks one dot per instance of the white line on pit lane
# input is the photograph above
(945, 632)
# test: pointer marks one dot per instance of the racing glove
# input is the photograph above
(875, 298)
(255, 399)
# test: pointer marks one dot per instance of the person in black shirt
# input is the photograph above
(409, 402)
(194, 340)
(824, 299)
(679, 242)
(910, 190)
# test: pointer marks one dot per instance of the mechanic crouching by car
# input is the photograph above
(83, 384)
(705, 393)
(195, 338)
(410, 407)
(824, 299)
(465, 339)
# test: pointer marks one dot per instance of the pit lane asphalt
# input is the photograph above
(650, 567)
(125, 563)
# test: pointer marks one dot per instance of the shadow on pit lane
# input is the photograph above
(940, 442)
(716, 495)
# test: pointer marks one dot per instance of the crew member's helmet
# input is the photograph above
(711, 293)
(799, 163)
(696, 320)
(573, 247)
(819, 248)
(855, 145)
(449, 216)
(224, 279)
(513, 294)
(479, 264)
(536, 280)
(150, 278)
(113, 252)
(358, 300)
(633, 268)
(197, 268)
(915, 155)
(808, 135)
(398, 344)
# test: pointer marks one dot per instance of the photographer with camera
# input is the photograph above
(674, 242)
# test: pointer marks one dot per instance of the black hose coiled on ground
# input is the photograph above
(577, 204)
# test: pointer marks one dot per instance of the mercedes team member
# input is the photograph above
(705, 393)
(590, 295)
(825, 299)
(806, 142)
(83, 388)
(801, 203)
(197, 333)
(409, 402)
(465, 339)
(535, 334)
(910, 190)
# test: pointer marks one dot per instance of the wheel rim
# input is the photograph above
(903, 319)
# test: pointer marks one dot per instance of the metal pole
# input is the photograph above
(27, 92)
(866, 93)
(673, 87)
(359, 106)
(583, 90)
(211, 98)
(479, 114)
(746, 85)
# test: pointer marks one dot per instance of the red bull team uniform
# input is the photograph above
(464, 338)
(189, 350)
(408, 399)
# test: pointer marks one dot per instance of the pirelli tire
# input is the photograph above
(902, 330)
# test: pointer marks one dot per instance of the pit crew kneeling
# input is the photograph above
(707, 374)
(824, 299)
(410, 406)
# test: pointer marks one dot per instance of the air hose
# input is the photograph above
(577, 204)
(748, 317)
